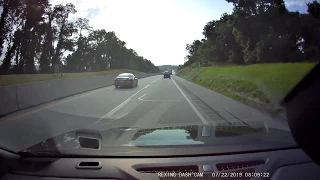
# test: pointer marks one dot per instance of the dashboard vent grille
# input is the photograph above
(238, 165)
(175, 169)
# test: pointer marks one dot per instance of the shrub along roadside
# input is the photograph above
(261, 85)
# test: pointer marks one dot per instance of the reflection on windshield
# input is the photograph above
(222, 134)
(178, 135)
(124, 75)
(225, 129)
(191, 130)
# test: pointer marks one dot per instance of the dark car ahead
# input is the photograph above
(126, 80)
(166, 74)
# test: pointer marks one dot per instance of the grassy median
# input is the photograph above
(6, 80)
(259, 85)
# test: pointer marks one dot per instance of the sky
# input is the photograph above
(157, 29)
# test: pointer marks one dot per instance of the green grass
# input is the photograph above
(6, 80)
(259, 85)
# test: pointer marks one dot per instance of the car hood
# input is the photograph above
(223, 136)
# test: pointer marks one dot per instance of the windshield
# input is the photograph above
(207, 76)
(125, 75)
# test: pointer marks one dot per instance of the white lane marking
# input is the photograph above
(141, 97)
(109, 114)
(150, 100)
(192, 106)
(114, 110)
(122, 116)
(103, 125)
(155, 80)
(122, 104)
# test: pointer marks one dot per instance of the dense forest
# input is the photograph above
(259, 31)
(34, 33)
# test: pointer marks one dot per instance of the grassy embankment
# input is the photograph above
(261, 85)
(25, 78)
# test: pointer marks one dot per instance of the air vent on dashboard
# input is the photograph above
(238, 165)
(175, 169)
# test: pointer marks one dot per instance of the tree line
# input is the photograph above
(34, 33)
(259, 31)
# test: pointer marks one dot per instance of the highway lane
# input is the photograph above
(158, 104)
(156, 101)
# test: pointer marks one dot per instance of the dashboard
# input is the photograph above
(277, 165)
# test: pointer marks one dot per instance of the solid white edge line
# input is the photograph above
(192, 106)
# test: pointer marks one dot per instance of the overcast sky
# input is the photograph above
(157, 29)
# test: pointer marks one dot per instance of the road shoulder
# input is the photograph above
(228, 108)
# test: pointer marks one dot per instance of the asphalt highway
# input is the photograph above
(154, 102)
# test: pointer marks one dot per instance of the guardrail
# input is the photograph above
(21, 96)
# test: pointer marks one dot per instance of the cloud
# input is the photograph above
(85, 8)
(156, 29)
(146, 26)
(297, 2)
(93, 12)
